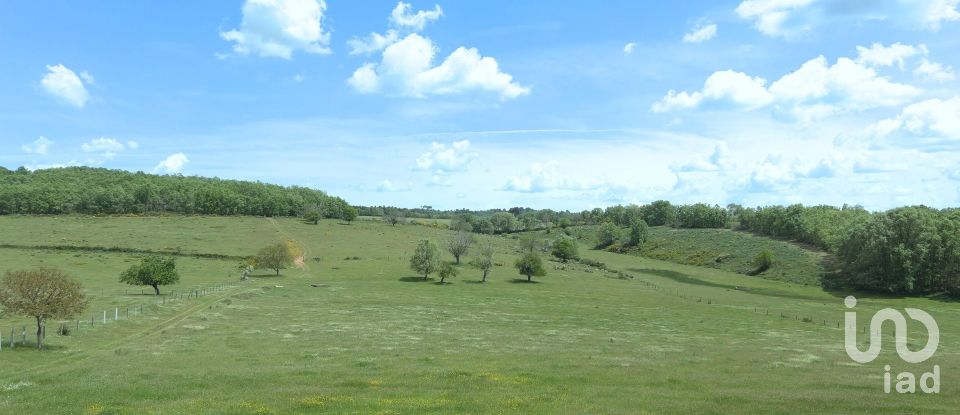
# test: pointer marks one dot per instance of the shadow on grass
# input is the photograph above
(687, 279)
(265, 276)
(443, 283)
(31, 346)
(415, 279)
(523, 281)
(475, 282)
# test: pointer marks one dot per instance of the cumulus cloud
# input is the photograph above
(388, 186)
(402, 16)
(172, 164)
(701, 33)
(444, 159)
(278, 28)
(63, 83)
(769, 16)
(718, 160)
(933, 71)
(933, 117)
(107, 148)
(815, 90)
(406, 67)
(543, 177)
(628, 48)
(40, 146)
(879, 55)
(736, 87)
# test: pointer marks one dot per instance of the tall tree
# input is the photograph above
(638, 232)
(276, 257)
(459, 245)
(348, 213)
(42, 294)
(531, 265)
(484, 261)
(426, 258)
(152, 271)
(565, 249)
(392, 216)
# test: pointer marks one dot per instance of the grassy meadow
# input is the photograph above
(643, 336)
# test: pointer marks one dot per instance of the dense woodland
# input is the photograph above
(908, 250)
(95, 191)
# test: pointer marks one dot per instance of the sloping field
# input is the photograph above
(645, 336)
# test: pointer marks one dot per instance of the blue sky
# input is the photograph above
(567, 105)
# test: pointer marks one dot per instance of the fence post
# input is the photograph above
(116, 314)
(104, 316)
(13, 338)
(23, 335)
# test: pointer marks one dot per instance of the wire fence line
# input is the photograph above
(17, 336)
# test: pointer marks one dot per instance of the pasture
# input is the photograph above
(643, 336)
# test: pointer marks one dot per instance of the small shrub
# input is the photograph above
(762, 262)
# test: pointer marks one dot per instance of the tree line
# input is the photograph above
(86, 190)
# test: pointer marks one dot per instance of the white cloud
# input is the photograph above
(788, 17)
(701, 34)
(402, 17)
(102, 144)
(133, 145)
(813, 91)
(719, 160)
(374, 42)
(406, 66)
(388, 186)
(933, 71)
(934, 117)
(736, 87)
(172, 164)
(879, 55)
(39, 146)
(543, 177)
(769, 16)
(406, 70)
(278, 28)
(64, 84)
(628, 48)
(443, 158)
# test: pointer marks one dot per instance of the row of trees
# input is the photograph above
(88, 190)
(426, 259)
(823, 226)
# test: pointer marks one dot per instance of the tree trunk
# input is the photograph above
(425, 275)
(529, 278)
(441, 279)
(156, 288)
(484, 277)
(278, 272)
(457, 257)
(39, 332)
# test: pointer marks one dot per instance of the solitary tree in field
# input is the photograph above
(484, 261)
(565, 249)
(276, 257)
(312, 216)
(348, 213)
(392, 216)
(607, 235)
(426, 258)
(530, 265)
(447, 271)
(42, 293)
(152, 271)
(459, 245)
(638, 232)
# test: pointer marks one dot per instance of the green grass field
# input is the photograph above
(727, 250)
(373, 339)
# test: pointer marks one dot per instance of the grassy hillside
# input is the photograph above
(373, 339)
(727, 250)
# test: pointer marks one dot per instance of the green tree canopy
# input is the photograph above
(152, 271)
(531, 265)
(426, 258)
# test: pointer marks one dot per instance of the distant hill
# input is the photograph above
(86, 190)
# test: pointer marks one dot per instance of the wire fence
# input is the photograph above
(17, 336)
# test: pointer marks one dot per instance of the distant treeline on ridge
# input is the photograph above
(86, 190)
